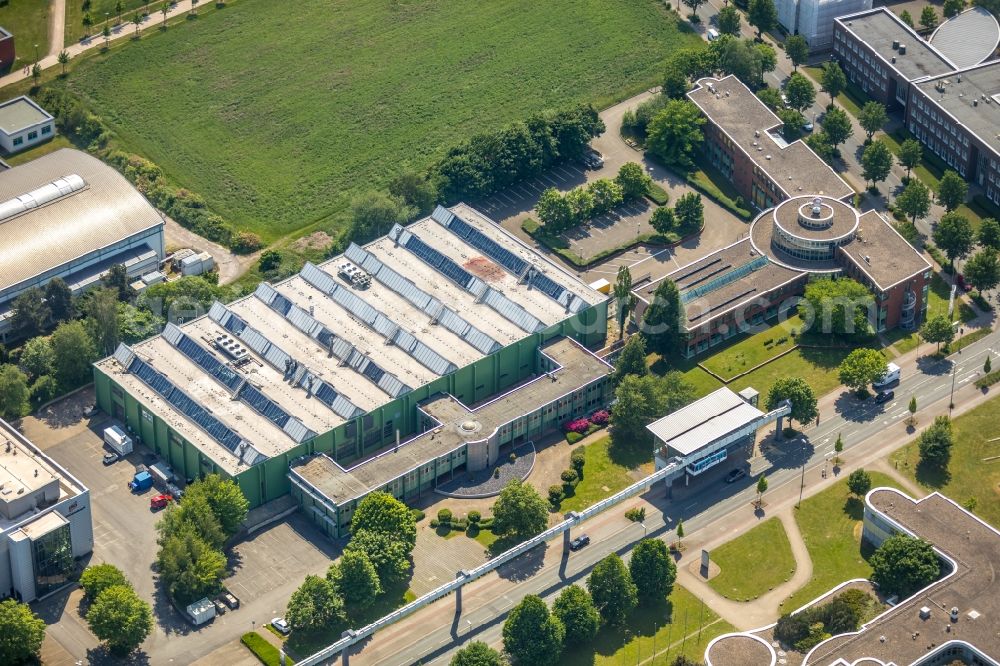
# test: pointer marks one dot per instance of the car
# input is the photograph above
(784, 99)
(281, 624)
(593, 159)
(713, 34)
(230, 600)
(160, 501)
(884, 396)
(735, 475)
(579, 542)
(220, 608)
(110, 458)
(808, 126)
(962, 283)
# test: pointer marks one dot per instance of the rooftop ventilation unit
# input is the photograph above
(767, 157)
(47, 193)
(902, 49)
(354, 275)
(893, 60)
(895, 44)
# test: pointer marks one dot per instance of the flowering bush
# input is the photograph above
(600, 417)
(577, 425)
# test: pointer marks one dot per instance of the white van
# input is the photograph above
(891, 375)
(713, 34)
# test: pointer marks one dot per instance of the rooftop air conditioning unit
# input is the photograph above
(902, 49)
(895, 44)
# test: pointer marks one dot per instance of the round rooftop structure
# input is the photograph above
(969, 38)
(740, 650)
(803, 233)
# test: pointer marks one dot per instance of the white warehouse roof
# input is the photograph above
(704, 421)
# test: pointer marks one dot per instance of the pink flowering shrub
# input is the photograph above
(600, 417)
(577, 425)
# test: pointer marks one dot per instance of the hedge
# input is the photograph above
(657, 194)
(267, 653)
(988, 380)
(573, 437)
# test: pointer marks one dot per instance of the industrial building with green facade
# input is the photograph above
(327, 371)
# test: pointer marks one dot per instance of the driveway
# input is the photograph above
(230, 265)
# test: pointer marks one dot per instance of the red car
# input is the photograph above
(962, 284)
(160, 501)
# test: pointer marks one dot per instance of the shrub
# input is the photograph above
(513, 457)
(988, 380)
(474, 517)
(577, 460)
(486, 523)
(434, 522)
(577, 425)
(569, 476)
(555, 495)
(573, 437)
(600, 417)
(418, 515)
(444, 516)
(245, 242)
(636, 514)
(267, 653)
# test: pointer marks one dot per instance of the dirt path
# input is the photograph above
(57, 29)
(231, 266)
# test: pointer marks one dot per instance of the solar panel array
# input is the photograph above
(236, 385)
(341, 349)
(444, 265)
(282, 361)
(184, 404)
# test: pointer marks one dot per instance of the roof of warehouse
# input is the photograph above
(315, 351)
(101, 210)
(704, 421)
(969, 38)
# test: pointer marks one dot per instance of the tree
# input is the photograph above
(680, 532)
(581, 204)
(799, 393)
(382, 513)
(903, 565)
(797, 49)
(841, 307)
(928, 17)
(761, 488)
(938, 329)
(99, 577)
(189, 567)
(952, 190)
(119, 8)
(117, 279)
(770, 96)
(675, 133)
(663, 220)
(576, 610)
(519, 512)
(59, 299)
(729, 20)
(954, 236)
(389, 556)
(137, 22)
(859, 482)
(554, 211)
(792, 121)
(989, 233)
(183, 299)
(359, 583)
(624, 298)
(612, 590)
(374, 213)
(634, 407)
(953, 7)
(13, 393)
(663, 320)
(269, 260)
(74, 352)
(906, 18)
(531, 635)
(165, 9)
(37, 358)
(694, 5)
(914, 200)
(192, 512)
(912, 408)
(675, 86)
(120, 618)
(837, 126)
(30, 313)
(833, 81)
(632, 359)
(415, 190)
(106, 33)
(910, 154)
(652, 570)
(872, 118)
(982, 271)
(63, 60)
(224, 498)
(800, 92)
(838, 447)
(314, 606)
(690, 212)
(102, 320)
(21, 633)
(935, 443)
(861, 367)
(876, 162)
(477, 653)
(633, 180)
(36, 73)
(605, 194)
(762, 15)
(987, 366)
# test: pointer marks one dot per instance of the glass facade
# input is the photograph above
(53, 555)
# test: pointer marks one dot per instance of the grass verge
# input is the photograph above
(754, 562)
(604, 473)
(28, 21)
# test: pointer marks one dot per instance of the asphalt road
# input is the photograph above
(861, 424)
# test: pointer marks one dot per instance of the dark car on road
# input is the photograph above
(593, 159)
(735, 475)
(884, 396)
(579, 542)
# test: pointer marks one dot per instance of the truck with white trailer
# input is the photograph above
(201, 611)
(118, 440)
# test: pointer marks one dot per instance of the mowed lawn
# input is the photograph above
(28, 21)
(754, 562)
(277, 113)
(968, 475)
(830, 523)
(602, 477)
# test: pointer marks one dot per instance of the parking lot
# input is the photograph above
(266, 567)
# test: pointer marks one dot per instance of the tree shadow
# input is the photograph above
(854, 508)
(629, 454)
(523, 567)
(643, 622)
(853, 409)
(932, 364)
(101, 655)
(932, 475)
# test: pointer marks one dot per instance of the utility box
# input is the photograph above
(191, 265)
(201, 611)
(141, 481)
(207, 262)
(116, 438)
(601, 285)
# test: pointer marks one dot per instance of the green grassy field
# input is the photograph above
(754, 350)
(28, 21)
(599, 472)
(830, 523)
(278, 117)
(968, 475)
(754, 562)
(682, 625)
(101, 8)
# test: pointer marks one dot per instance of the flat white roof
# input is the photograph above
(21, 113)
(704, 421)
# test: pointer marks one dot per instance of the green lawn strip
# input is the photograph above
(263, 650)
(681, 625)
(967, 475)
(50, 146)
(754, 350)
(937, 301)
(28, 21)
(754, 562)
(605, 472)
(711, 183)
(830, 523)
(852, 99)
(969, 338)
(101, 9)
(292, 132)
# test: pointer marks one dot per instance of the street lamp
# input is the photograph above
(643, 530)
(951, 399)
(36, 52)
